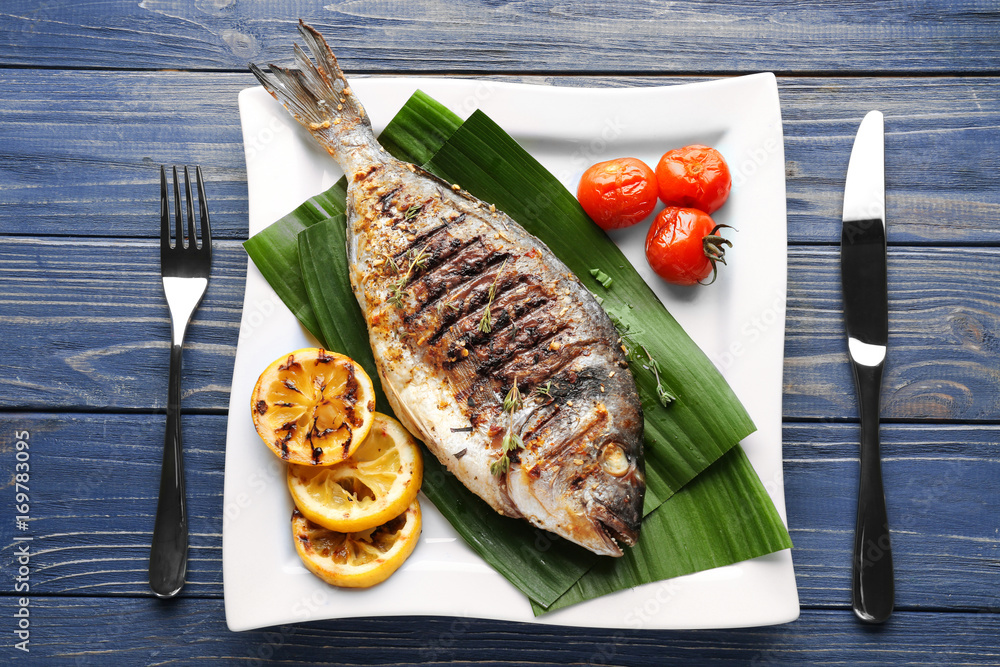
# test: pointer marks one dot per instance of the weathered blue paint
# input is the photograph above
(84, 326)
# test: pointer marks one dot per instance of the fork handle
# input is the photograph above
(872, 589)
(168, 555)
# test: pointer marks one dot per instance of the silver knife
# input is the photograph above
(866, 314)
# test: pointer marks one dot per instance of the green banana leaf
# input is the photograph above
(482, 154)
(723, 516)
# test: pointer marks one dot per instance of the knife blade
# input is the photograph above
(866, 315)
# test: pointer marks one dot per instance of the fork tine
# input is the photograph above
(164, 212)
(206, 225)
(192, 239)
(179, 243)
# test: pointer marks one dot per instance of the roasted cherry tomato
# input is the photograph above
(683, 246)
(618, 193)
(693, 177)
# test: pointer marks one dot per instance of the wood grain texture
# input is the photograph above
(91, 526)
(940, 483)
(81, 151)
(97, 311)
(942, 362)
(85, 329)
(84, 631)
(497, 35)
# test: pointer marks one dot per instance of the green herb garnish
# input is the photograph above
(511, 441)
(486, 324)
(413, 211)
(666, 398)
(602, 278)
(417, 261)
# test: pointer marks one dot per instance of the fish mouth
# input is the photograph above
(612, 528)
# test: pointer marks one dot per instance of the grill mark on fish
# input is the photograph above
(538, 366)
(483, 382)
(370, 171)
(543, 415)
(426, 237)
(532, 335)
(421, 239)
(385, 200)
(467, 333)
(436, 281)
(510, 308)
(466, 267)
(449, 318)
(528, 375)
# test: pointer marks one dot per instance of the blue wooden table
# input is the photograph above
(96, 95)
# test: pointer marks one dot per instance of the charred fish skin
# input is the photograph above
(462, 304)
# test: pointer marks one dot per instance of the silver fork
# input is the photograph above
(185, 272)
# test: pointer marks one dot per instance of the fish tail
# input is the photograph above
(318, 96)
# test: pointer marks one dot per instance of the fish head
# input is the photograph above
(585, 483)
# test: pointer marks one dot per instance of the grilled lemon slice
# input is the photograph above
(378, 482)
(313, 407)
(360, 559)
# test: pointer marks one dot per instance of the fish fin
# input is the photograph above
(315, 93)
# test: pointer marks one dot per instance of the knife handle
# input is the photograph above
(872, 589)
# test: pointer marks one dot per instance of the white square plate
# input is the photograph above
(738, 321)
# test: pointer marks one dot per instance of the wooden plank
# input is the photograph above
(942, 361)
(65, 296)
(86, 325)
(94, 480)
(150, 631)
(488, 36)
(81, 150)
(940, 484)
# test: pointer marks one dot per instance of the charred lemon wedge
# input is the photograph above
(378, 482)
(313, 407)
(360, 559)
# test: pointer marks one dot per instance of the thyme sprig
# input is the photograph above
(543, 390)
(486, 324)
(417, 261)
(666, 398)
(413, 211)
(511, 441)
(391, 264)
(631, 348)
(446, 304)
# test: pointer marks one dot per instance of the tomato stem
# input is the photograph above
(715, 250)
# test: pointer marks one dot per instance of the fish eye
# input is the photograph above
(613, 459)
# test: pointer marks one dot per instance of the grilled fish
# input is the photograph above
(489, 349)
